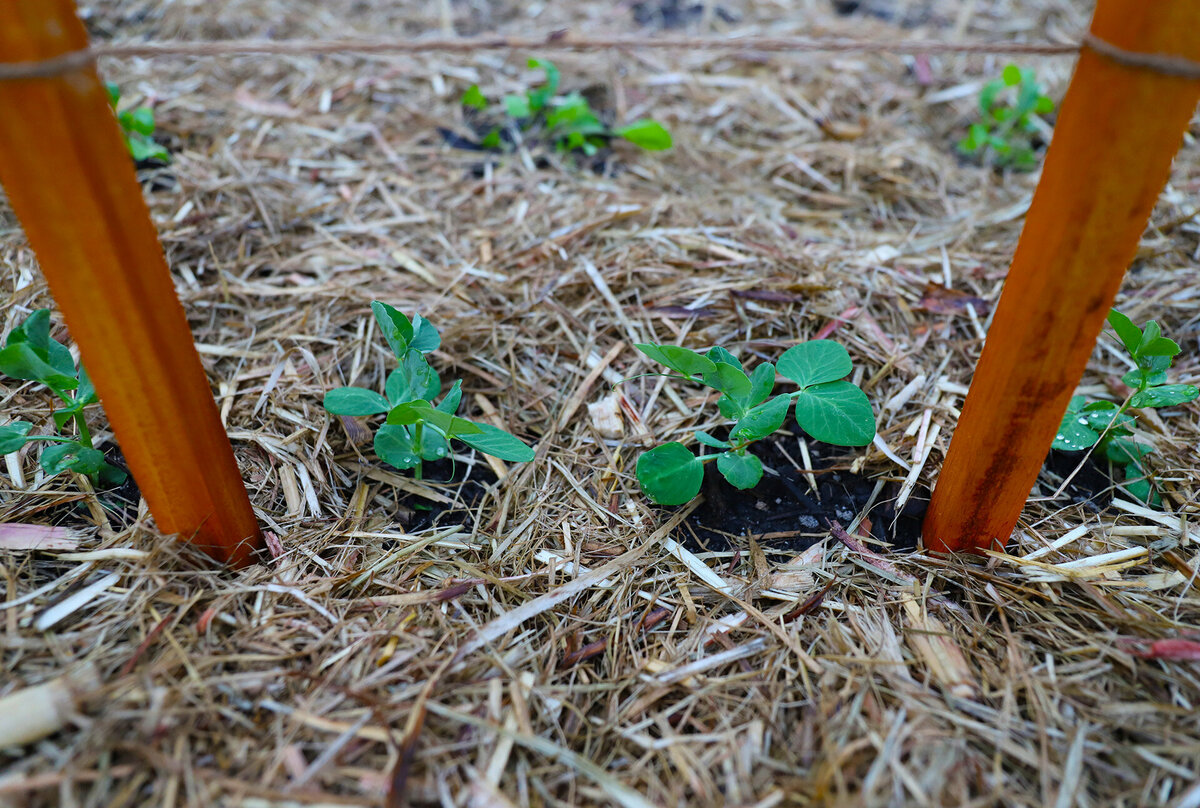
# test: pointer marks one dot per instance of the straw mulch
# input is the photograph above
(551, 644)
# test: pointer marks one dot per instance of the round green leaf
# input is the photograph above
(729, 379)
(837, 413)
(73, 456)
(425, 337)
(670, 474)
(496, 442)
(1166, 396)
(742, 470)
(394, 446)
(355, 401)
(12, 436)
(815, 362)
(650, 135)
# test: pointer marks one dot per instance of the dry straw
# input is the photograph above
(806, 193)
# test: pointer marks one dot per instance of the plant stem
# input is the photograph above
(418, 434)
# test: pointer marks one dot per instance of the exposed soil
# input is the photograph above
(784, 514)
(1091, 486)
(465, 483)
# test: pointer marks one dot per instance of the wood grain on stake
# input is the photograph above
(69, 178)
(1117, 131)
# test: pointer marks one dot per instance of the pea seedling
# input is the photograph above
(1010, 108)
(137, 124)
(31, 354)
(1108, 426)
(570, 121)
(828, 408)
(416, 430)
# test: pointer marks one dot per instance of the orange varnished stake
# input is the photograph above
(69, 178)
(1120, 124)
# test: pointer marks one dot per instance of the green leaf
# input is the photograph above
(74, 456)
(1044, 105)
(1150, 332)
(141, 120)
(1124, 451)
(496, 442)
(396, 328)
(12, 436)
(670, 474)
(517, 106)
(1165, 396)
(111, 476)
(762, 382)
(449, 425)
(22, 361)
(1141, 489)
(492, 139)
(114, 93)
(730, 408)
(765, 419)
(413, 380)
(355, 401)
(729, 379)
(1159, 346)
(1011, 75)
(450, 403)
(394, 446)
(85, 393)
(1130, 334)
(425, 337)
(1145, 378)
(837, 413)
(719, 354)
(473, 97)
(815, 362)
(742, 470)
(680, 360)
(647, 134)
(540, 96)
(707, 440)
(142, 147)
(1074, 434)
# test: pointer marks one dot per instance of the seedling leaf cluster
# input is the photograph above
(827, 407)
(416, 429)
(31, 354)
(1108, 426)
(137, 125)
(568, 120)
(1010, 110)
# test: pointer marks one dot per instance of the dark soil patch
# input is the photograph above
(1091, 487)
(675, 14)
(464, 483)
(783, 513)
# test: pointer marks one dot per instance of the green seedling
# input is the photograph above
(1108, 426)
(417, 430)
(31, 354)
(1010, 109)
(137, 125)
(569, 120)
(828, 408)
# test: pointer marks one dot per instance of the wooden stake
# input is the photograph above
(1119, 126)
(69, 178)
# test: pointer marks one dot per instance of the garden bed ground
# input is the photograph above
(569, 644)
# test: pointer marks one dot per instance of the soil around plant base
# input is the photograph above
(784, 514)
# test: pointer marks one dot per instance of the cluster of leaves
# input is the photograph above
(1010, 108)
(1109, 426)
(827, 408)
(416, 429)
(569, 120)
(31, 354)
(137, 124)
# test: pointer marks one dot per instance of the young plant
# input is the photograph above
(31, 354)
(1010, 108)
(416, 429)
(569, 120)
(137, 124)
(1108, 426)
(827, 408)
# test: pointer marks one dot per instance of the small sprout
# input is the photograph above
(1010, 109)
(568, 121)
(137, 125)
(827, 407)
(30, 353)
(1108, 426)
(416, 430)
